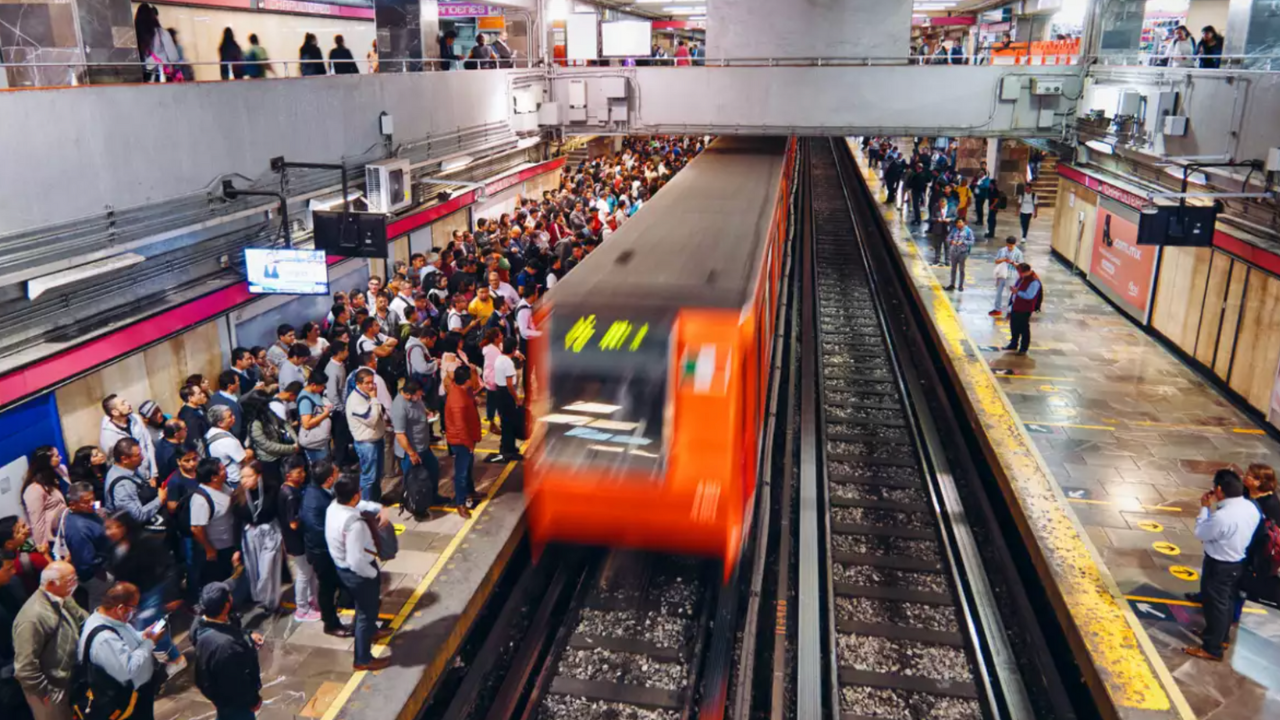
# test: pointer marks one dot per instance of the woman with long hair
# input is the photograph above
(230, 55)
(254, 504)
(42, 497)
(273, 438)
(89, 464)
(141, 557)
(316, 344)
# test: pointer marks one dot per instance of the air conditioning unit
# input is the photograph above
(388, 186)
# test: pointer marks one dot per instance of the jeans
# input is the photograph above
(316, 455)
(304, 582)
(366, 592)
(1020, 326)
(463, 459)
(1000, 285)
(957, 267)
(979, 203)
(1219, 585)
(991, 224)
(151, 609)
(1026, 223)
(941, 248)
(371, 469)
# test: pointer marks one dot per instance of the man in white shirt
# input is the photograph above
(497, 287)
(372, 340)
(355, 555)
(1225, 525)
(224, 446)
(367, 420)
(504, 377)
(402, 300)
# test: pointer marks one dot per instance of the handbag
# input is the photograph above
(1002, 271)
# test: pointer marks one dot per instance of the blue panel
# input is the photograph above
(25, 427)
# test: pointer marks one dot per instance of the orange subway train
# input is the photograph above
(651, 374)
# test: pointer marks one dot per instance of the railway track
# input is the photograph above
(900, 616)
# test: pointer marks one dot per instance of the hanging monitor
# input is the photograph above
(278, 271)
(351, 234)
(1178, 226)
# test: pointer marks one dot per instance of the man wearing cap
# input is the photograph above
(153, 419)
(227, 670)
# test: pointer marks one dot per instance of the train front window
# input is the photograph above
(608, 390)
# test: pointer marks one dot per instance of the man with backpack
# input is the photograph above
(207, 511)
(117, 668)
(1025, 299)
(413, 448)
(355, 555)
(44, 638)
(125, 489)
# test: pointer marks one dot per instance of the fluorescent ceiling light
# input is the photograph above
(38, 286)
(1099, 146)
(686, 11)
(592, 407)
(456, 163)
(697, 17)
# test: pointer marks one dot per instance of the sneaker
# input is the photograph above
(949, 287)
(306, 615)
(173, 667)
(995, 313)
(960, 289)
(1009, 347)
(1021, 352)
(494, 459)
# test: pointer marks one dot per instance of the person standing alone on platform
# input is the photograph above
(1026, 209)
(1007, 262)
(1225, 525)
(995, 202)
(961, 241)
(1026, 298)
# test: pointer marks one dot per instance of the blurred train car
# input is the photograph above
(652, 371)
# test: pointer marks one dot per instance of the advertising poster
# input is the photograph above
(1121, 268)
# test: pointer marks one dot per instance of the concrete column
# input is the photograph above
(1252, 27)
(408, 32)
(67, 34)
(808, 28)
(1010, 167)
(971, 154)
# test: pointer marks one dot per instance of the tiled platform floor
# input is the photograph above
(1132, 436)
(303, 670)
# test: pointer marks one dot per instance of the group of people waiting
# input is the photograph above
(280, 462)
(933, 183)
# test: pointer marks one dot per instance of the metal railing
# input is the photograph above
(61, 74)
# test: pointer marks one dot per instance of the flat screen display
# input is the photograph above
(277, 271)
(350, 234)
(1190, 226)
(626, 38)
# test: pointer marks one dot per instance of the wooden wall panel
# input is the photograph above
(1211, 311)
(1258, 347)
(154, 374)
(1230, 317)
(1180, 293)
(1065, 232)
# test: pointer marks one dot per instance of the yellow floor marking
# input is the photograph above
(418, 592)
(1030, 377)
(322, 700)
(474, 451)
(1182, 572)
(344, 613)
(1071, 425)
(1249, 431)
(1129, 666)
(1112, 502)
(1184, 603)
(1166, 548)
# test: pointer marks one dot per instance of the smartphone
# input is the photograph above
(161, 625)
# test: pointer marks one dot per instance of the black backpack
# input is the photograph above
(419, 491)
(182, 517)
(95, 695)
(1002, 201)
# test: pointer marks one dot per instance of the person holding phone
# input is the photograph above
(122, 655)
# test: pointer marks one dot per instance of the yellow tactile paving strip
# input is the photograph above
(1128, 670)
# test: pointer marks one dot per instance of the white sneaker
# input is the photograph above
(176, 666)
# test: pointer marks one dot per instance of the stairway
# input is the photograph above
(1046, 184)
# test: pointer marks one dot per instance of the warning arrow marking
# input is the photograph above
(1150, 610)
(1182, 572)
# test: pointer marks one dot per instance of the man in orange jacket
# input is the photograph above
(462, 432)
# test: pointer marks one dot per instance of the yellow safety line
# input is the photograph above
(1111, 629)
(1184, 603)
(340, 700)
(1000, 376)
(1165, 508)
(1249, 431)
(348, 611)
(1070, 425)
